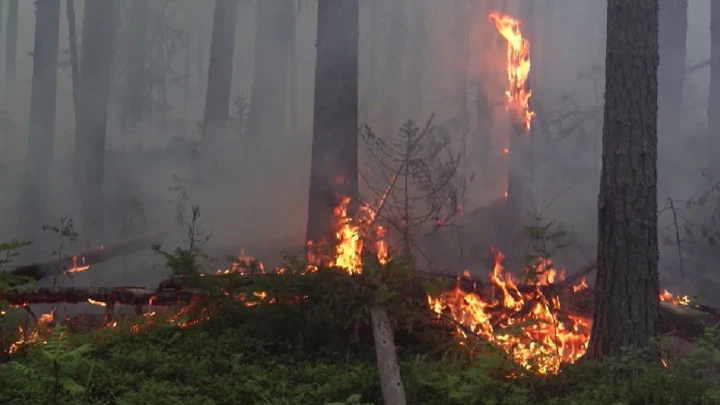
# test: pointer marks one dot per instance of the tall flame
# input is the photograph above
(518, 67)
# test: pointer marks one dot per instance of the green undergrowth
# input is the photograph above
(262, 355)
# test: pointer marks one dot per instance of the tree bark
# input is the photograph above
(220, 69)
(334, 164)
(713, 108)
(42, 114)
(11, 51)
(98, 43)
(391, 383)
(626, 303)
(672, 40)
(134, 99)
(269, 96)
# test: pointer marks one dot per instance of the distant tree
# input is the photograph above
(627, 286)
(135, 100)
(98, 49)
(43, 93)
(672, 39)
(274, 34)
(11, 50)
(419, 43)
(713, 108)
(220, 70)
(334, 165)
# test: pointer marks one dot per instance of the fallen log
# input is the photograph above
(99, 295)
(83, 260)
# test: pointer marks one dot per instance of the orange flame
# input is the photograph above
(518, 67)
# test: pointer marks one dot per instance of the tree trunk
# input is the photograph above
(38, 160)
(393, 390)
(98, 43)
(74, 61)
(626, 303)
(134, 99)
(416, 68)
(461, 48)
(220, 69)
(334, 165)
(11, 52)
(268, 99)
(672, 41)
(713, 109)
(390, 119)
(292, 73)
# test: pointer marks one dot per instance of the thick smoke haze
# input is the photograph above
(253, 190)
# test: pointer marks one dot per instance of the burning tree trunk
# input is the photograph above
(95, 72)
(42, 113)
(672, 34)
(134, 104)
(387, 363)
(626, 303)
(220, 69)
(268, 99)
(11, 51)
(334, 165)
(713, 109)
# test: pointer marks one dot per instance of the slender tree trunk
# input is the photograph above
(334, 165)
(627, 287)
(713, 108)
(292, 73)
(38, 160)
(2, 16)
(134, 100)
(11, 52)
(189, 26)
(98, 42)
(671, 80)
(462, 52)
(393, 389)
(74, 61)
(220, 69)
(390, 119)
(416, 69)
(268, 100)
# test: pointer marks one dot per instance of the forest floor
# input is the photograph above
(263, 355)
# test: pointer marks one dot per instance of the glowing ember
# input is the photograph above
(75, 268)
(518, 67)
(526, 325)
(666, 296)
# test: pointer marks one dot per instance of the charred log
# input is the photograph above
(81, 260)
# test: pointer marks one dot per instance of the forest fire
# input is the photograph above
(518, 67)
(526, 325)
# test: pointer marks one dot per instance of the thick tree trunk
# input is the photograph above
(220, 69)
(334, 165)
(269, 97)
(626, 300)
(95, 71)
(11, 51)
(42, 114)
(713, 108)
(393, 390)
(134, 99)
(672, 41)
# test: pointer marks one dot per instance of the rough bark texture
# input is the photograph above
(672, 39)
(11, 51)
(220, 70)
(42, 114)
(274, 32)
(714, 92)
(134, 104)
(334, 166)
(626, 303)
(391, 383)
(95, 76)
